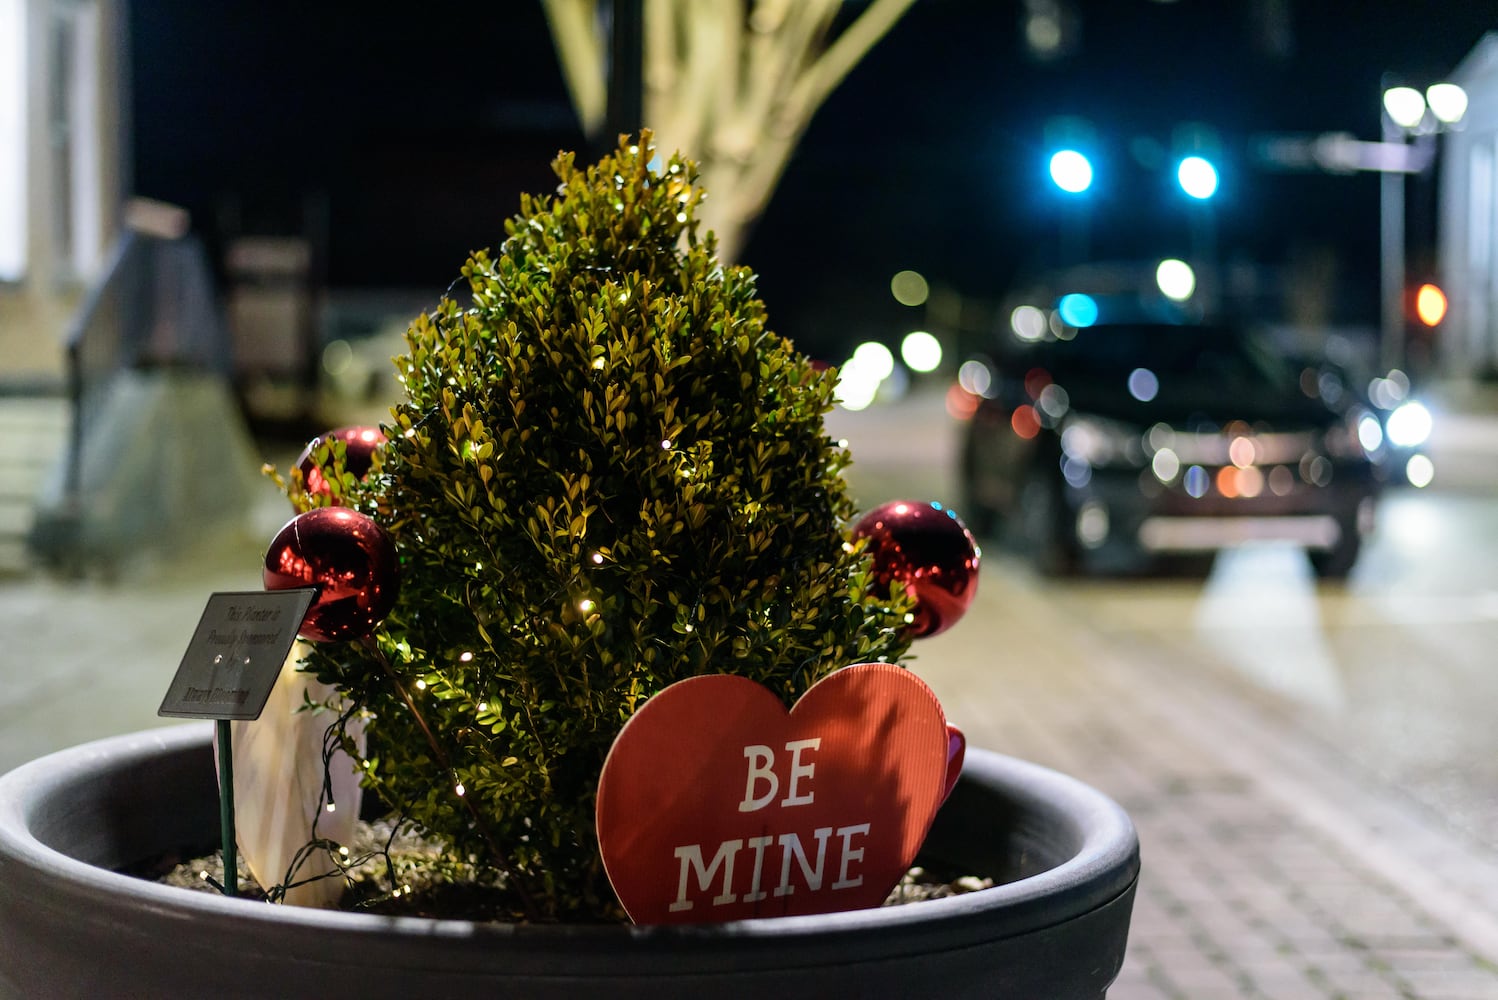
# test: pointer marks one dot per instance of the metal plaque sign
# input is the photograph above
(236, 654)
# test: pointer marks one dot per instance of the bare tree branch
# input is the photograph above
(732, 87)
(578, 37)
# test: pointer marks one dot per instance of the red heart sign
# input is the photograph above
(715, 803)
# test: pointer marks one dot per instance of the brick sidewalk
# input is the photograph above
(1269, 870)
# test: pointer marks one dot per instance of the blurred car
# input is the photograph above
(1112, 445)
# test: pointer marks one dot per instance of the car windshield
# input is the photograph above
(1202, 352)
(1146, 360)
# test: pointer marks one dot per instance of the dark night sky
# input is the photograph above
(417, 132)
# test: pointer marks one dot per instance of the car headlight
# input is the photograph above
(1348, 439)
(1370, 433)
(1099, 441)
(1409, 425)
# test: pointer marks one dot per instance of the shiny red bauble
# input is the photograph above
(359, 447)
(348, 558)
(926, 547)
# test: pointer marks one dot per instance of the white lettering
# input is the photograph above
(800, 770)
(760, 759)
(792, 847)
(690, 856)
(850, 854)
(755, 893)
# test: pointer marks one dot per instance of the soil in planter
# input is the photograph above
(398, 873)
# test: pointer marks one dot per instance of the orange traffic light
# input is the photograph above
(1430, 304)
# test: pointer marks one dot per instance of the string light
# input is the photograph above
(332, 807)
(483, 706)
(421, 685)
(666, 444)
(598, 558)
(585, 606)
(465, 657)
(460, 789)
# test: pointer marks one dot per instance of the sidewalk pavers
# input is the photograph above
(1269, 870)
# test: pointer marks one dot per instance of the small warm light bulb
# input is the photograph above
(598, 363)
(466, 657)
(421, 685)
(460, 789)
(343, 851)
(483, 706)
(203, 876)
(598, 558)
(666, 444)
(585, 606)
(332, 807)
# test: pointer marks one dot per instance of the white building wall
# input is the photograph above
(71, 174)
(1469, 221)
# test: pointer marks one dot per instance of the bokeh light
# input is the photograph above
(1071, 171)
(1028, 322)
(975, 377)
(1143, 384)
(1078, 309)
(1175, 279)
(1410, 425)
(909, 288)
(878, 358)
(1419, 470)
(921, 351)
(860, 376)
(1198, 177)
(1430, 304)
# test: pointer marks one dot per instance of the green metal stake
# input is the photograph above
(226, 806)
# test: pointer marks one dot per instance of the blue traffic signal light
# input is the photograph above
(1071, 171)
(1197, 177)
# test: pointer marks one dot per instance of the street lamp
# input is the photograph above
(1407, 113)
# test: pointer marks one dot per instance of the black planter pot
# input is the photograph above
(70, 926)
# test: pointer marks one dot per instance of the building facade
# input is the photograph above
(62, 169)
(1469, 221)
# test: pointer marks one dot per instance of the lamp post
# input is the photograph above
(1406, 114)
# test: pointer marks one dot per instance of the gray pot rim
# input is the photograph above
(1100, 873)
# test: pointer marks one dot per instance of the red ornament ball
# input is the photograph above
(926, 547)
(348, 558)
(359, 447)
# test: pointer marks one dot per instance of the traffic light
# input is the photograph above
(1071, 171)
(1197, 177)
(1430, 304)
